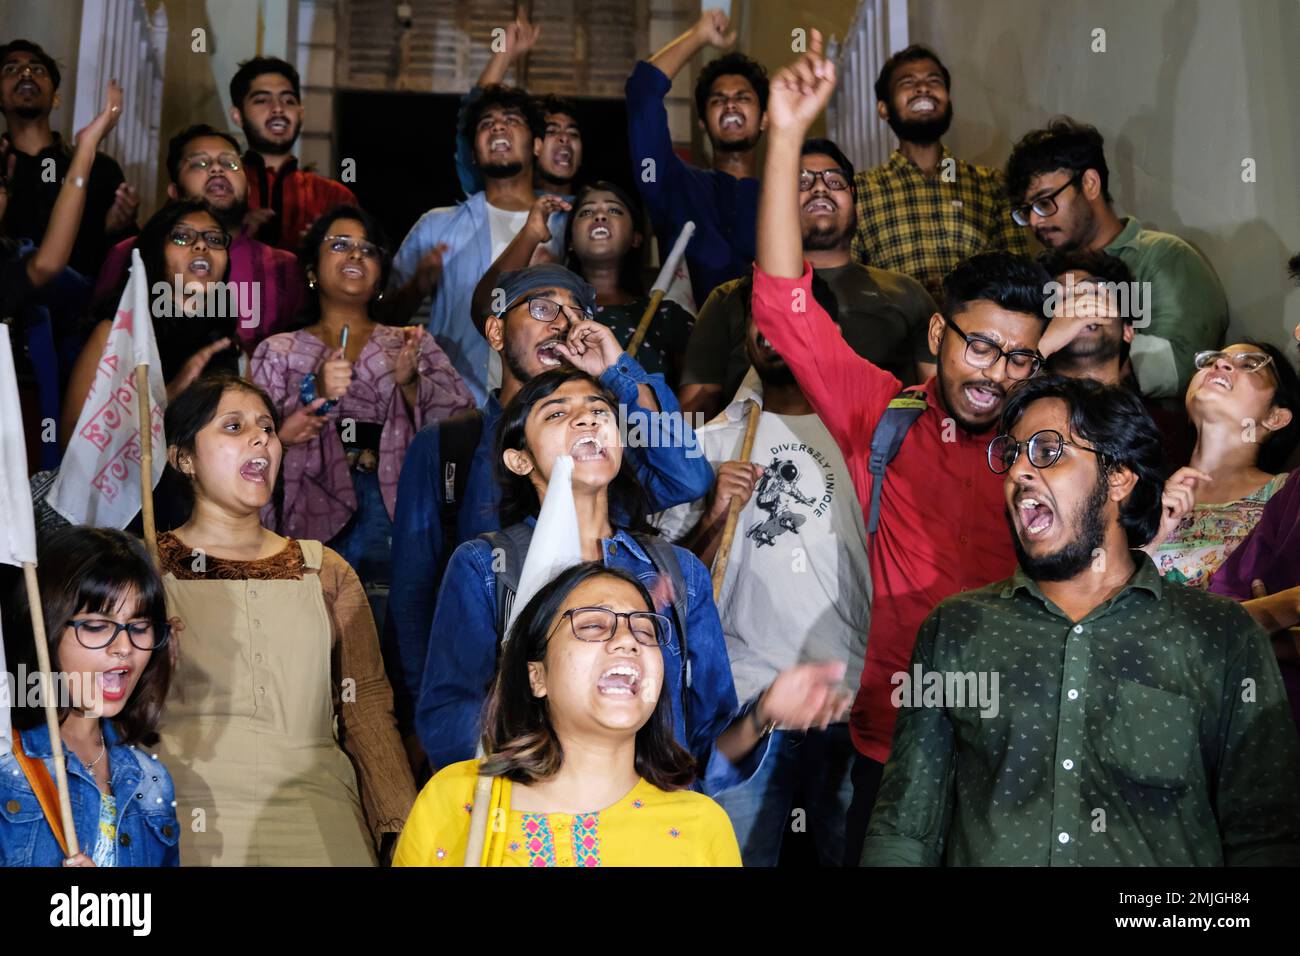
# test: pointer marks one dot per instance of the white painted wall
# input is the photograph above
(1185, 91)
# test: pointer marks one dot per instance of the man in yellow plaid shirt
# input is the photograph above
(925, 210)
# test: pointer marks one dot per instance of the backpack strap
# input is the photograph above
(665, 559)
(509, 548)
(888, 437)
(38, 777)
(458, 438)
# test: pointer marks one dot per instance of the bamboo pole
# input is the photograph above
(733, 511)
(478, 820)
(657, 291)
(146, 462)
(51, 711)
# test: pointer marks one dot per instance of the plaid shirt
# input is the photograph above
(298, 197)
(923, 227)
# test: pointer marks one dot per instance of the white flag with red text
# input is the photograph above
(17, 529)
(99, 480)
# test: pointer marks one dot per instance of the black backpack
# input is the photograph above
(458, 438)
(513, 544)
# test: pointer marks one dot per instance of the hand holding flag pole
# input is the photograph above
(18, 547)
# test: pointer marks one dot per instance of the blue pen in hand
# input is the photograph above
(307, 389)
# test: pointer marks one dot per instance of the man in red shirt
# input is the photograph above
(942, 525)
(283, 200)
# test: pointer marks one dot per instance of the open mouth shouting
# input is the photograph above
(1220, 380)
(1035, 517)
(763, 344)
(351, 270)
(922, 104)
(731, 121)
(278, 125)
(819, 205)
(26, 87)
(548, 354)
(200, 267)
(499, 145)
(984, 396)
(620, 680)
(218, 187)
(564, 157)
(588, 448)
(599, 231)
(254, 470)
(113, 683)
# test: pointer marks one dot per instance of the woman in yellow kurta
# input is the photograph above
(585, 770)
(279, 727)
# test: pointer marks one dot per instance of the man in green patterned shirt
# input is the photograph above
(925, 210)
(1131, 721)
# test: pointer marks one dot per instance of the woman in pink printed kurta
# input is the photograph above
(345, 275)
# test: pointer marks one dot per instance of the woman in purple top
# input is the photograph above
(362, 391)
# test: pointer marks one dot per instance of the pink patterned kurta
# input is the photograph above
(318, 494)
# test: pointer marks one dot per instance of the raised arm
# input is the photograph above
(709, 30)
(535, 233)
(65, 218)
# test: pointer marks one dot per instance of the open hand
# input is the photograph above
(302, 424)
(194, 367)
(406, 368)
(93, 133)
(121, 215)
(806, 695)
(429, 270)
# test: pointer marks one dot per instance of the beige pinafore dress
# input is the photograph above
(249, 731)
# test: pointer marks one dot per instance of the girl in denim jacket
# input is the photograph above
(106, 622)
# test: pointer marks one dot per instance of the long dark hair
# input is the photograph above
(630, 278)
(309, 255)
(517, 734)
(628, 508)
(87, 570)
(1276, 446)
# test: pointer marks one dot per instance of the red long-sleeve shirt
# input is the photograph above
(298, 197)
(942, 527)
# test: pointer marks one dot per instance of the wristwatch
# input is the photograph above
(763, 730)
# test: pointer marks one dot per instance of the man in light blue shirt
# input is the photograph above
(449, 248)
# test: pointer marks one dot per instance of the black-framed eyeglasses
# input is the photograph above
(981, 353)
(200, 162)
(95, 634)
(834, 179)
(1045, 206)
(344, 245)
(1045, 448)
(186, 235)
(1245, 361)
(598, 624)
(545, 310)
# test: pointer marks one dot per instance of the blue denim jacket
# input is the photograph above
(671, 475)
(462, 661)
(147, 829)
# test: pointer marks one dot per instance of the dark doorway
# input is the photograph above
(404, 145)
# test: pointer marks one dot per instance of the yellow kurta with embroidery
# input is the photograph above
(648, 827)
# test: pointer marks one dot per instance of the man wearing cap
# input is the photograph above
(29, 84)
(540, 307)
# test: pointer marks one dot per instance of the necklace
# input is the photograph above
(103, 749)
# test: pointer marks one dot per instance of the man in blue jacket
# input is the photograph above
(731, 98)
(671, 473)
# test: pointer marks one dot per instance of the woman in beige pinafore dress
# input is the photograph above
(278, 728)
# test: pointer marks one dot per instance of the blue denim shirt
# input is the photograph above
(147, 829)
(462, 661)
(465, 230)
(671, 474)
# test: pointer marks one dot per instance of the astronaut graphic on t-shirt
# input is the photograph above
(775, 490)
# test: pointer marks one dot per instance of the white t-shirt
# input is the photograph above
(798, 586)
(503, 226)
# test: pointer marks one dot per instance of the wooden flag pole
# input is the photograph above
(146, 462)
(733, 511)
(51, 711)
(662, 282)
(478, 820)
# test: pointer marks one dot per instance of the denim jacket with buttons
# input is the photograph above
(147, 829)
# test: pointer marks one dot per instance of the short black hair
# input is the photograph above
(1114, 421)
(176, 146)
(250, 70)
(554, 103)
(518, 735)
(90, 570)
(911, 54)
(1063, 144)
(504, 97)
(36, 50)
(1016, 283)
(825, 147)
(731, 64)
